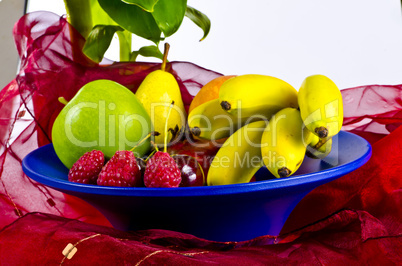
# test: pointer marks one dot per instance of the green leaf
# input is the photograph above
(99, 16)
(169, 15)
(99, 40)
(199, 19)
(148, 51)
(133, 19)
(147, 5)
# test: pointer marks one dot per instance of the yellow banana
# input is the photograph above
(210, 121)
(256, 95)
(321, 106)
(239, 158)
(319, 148)
(284, 141)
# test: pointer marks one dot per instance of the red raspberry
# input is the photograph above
(121, 170)
(162, 171)
(87, 168)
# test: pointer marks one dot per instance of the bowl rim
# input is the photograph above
(309, 179)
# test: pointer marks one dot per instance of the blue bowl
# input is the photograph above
(221, 213)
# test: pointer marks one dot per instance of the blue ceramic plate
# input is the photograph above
(223, 213)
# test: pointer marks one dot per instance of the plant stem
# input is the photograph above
(79, 15)
(125, 45)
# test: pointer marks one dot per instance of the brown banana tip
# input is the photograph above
(284, 172)
(225, 105)
(311, 155)
(155, 133)
(196, 131)
(322, 132)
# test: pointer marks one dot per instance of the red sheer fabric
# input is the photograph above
(356, 218)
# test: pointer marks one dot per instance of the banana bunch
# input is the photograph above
(242, 100)
(267, 122)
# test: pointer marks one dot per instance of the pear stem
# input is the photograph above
(153, 133)
(166, 127)
(165, 54)
(62, 100)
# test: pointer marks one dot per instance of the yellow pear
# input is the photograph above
(156, 92)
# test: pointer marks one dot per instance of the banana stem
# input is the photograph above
(320, 143)
(165, 54)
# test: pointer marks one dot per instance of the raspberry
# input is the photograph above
(121, 170)
(86, 169)
(162, 171)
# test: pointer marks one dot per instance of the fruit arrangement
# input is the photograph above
(267, 122)
(107, 135)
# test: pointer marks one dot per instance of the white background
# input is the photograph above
(354, 42)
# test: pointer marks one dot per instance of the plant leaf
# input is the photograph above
(147, 5)
(99, 16)
(200, 19)
(169, 15)
(99, 40)
(148, 51)
(133, 19)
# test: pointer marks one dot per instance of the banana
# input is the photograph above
(210, 121)
(284, 141)
(321, 106)
(319, 148)
(239, 158)
(256, 95)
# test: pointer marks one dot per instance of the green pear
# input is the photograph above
(105, 116)
(156, 92)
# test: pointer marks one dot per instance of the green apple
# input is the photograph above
(103, 115)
